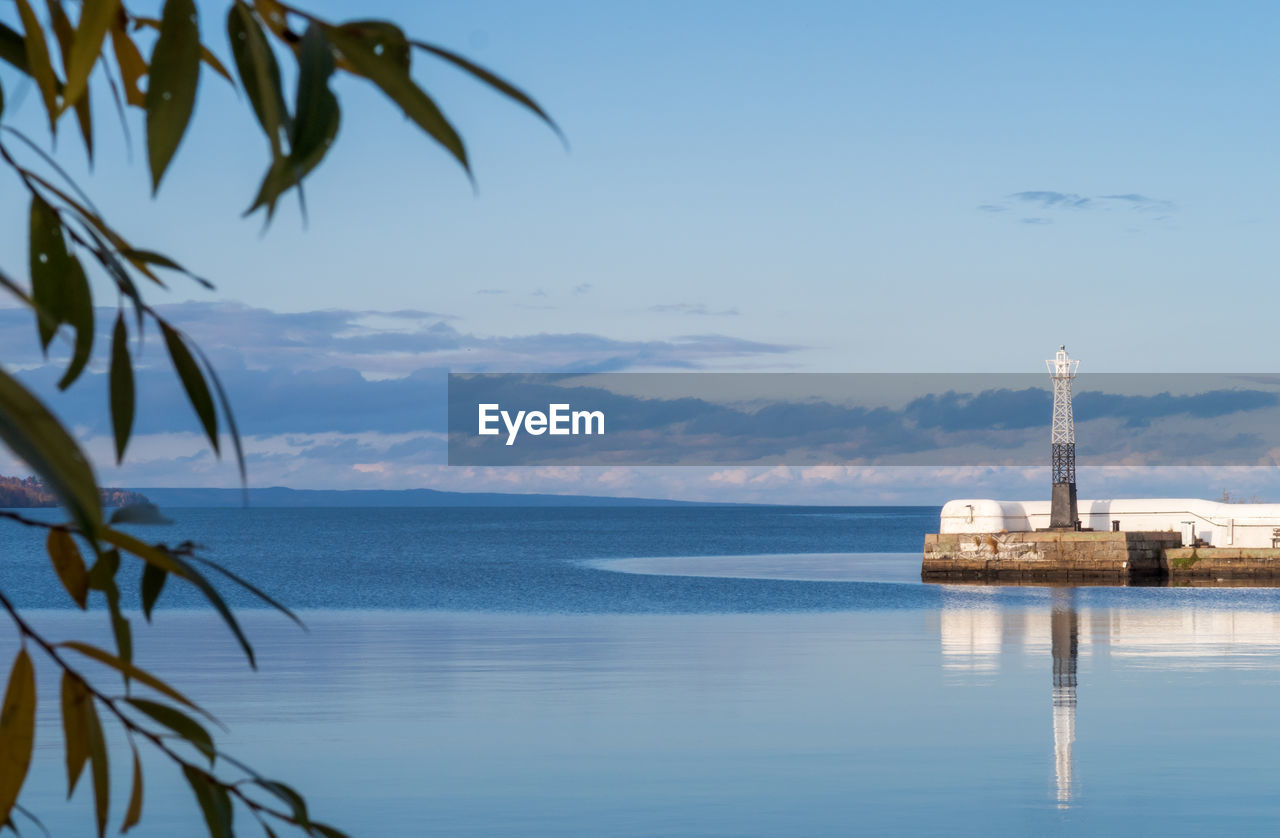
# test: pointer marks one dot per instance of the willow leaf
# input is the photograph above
(69, 565)
(132, 66)
(215, 802)
(179, 722)
(498, 83)
(153, 579)
(66, 35)
(366, 49)
(37, 438)
(171, 84)
(133, 813)
(192, 381)
(259, 74)
(91, 32)
(79, 313)
(100, 765)
(50, 267)
(75, 728)
(13, 49)
(121, 386)
(132, 670)
(38, 62)
(17, 731)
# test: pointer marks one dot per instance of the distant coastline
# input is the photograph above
(281, 496)
(30, 493)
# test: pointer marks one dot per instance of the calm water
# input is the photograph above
(699, 672)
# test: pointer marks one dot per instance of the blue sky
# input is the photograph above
(929, 187)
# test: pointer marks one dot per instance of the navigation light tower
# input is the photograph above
(1063, 513)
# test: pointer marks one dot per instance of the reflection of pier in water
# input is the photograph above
(974, 640)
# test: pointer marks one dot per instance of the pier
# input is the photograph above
(1124, 541)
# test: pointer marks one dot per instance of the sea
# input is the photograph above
(677, 671)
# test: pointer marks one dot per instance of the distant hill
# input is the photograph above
(282, 496)
(28, 492)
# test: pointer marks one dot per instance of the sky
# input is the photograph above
(807, 187)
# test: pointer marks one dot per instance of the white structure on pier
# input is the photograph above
(1217, 524)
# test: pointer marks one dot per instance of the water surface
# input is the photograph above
(639, 672)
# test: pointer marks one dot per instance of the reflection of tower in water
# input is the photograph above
(1065, 646)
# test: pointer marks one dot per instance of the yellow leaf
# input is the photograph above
(101, 770)
(75, 730)
(132, 66)
(39, 62)
(134, 813)
(69, 565)
(91, 31)
(17, 731)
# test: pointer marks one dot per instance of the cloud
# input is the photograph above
(1052, 199)
(380, 345)
(334, 371)
(1052, 202)
(694, 309)
(579, 290)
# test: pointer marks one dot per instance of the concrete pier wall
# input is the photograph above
(1048, 556)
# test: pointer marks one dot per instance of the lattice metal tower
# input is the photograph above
(1063, 443)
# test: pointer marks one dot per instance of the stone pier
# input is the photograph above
(1048, 556)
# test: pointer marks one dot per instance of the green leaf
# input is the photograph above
(69, 565)
(171, 84)
(206, 55)
(134, 812)
(17, 731)
(38, 62)
(377, 56)
(102, 576)
(101, 768)
(37, 438)
(214, 802)
(136, 673)
(231, 423)
(251, 588)
(153, 579)
(179, 722)
(13, 49)
(496, 82)
(96, 17)
(315, 123)
(75, 728)
(50, 268)
(315, 120)
(259, 73)
(141, 258)
(287, 794)
(78, 311)
(122, 396)
(215, 599)
(192, 381)
(120, 628)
